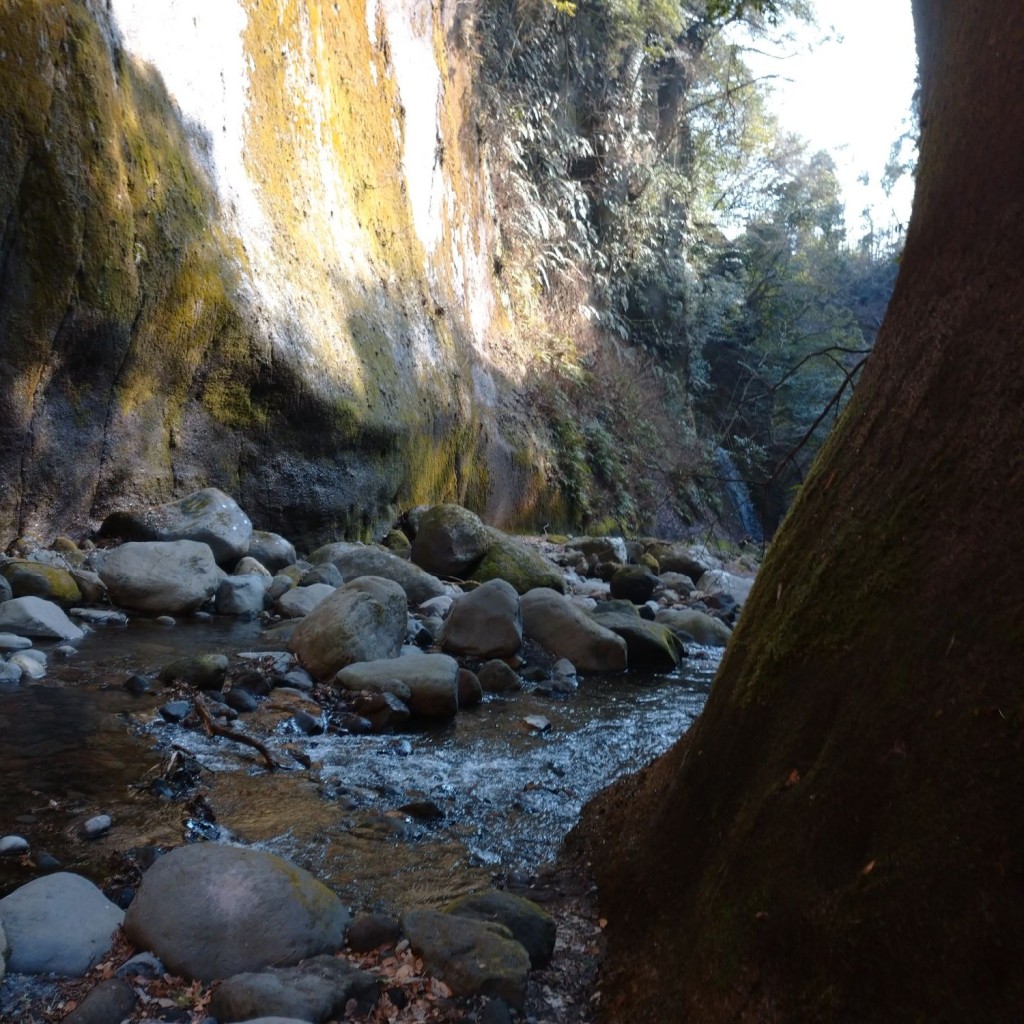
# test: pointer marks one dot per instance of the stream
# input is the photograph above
(387, 820)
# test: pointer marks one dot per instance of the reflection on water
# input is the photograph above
(505, 794)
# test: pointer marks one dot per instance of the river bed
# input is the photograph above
(388, 820)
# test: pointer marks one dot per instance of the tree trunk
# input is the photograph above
(840, 836)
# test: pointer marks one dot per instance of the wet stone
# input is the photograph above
(175, 710)
(13, 642)
(241, 700)
(96, 826)
(371, 931)
(110, 1002)
(12, 846)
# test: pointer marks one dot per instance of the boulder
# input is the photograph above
(648, 644)
(450, 541)
(497, 676)
(430, 680)
(89, 583)
(211, 911)
(362, 621)
(688, 559)
(472, 957)
(678, 582)
(271, 550)
(241, 595)
(324, 572)
(5, 590)
(633, 583)
(718, 581)
(703, 628)
(600, 549)
(167, 577)
(567, 631)
(484, 623)
(316, 990)
(522, 566)
(250, 566)
(533, 928)
(108, 1002)
(471, 692)
(4, 950)
(58, 924)
(300, 601)
(208, 516)
(34, 579)
(32, 616)
(354, 560)
(398, 543)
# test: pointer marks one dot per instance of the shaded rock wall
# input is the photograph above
(246, 244)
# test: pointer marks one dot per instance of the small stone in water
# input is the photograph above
(136, 684)
(65, 651)
(175, 711)
(538, 722)
(96, 827)
(165, 620)
(306, 723)
(11, 845)
(403, 748)
(13, 642)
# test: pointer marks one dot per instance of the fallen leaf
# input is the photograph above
(868, 868)
(602, 922)
(793, 779)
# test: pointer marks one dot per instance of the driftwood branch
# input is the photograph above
(213, 729)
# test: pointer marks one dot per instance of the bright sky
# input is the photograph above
(851, 94)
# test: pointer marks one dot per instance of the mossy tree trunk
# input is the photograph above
(840, 836)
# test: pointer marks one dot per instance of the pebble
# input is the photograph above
(33, 667)
(45, 861)
(307, 724)
(65, 651)
(165, 620)
(538, 722)
(12, 845)
(142, 965)
(13, 642)
(96, 827)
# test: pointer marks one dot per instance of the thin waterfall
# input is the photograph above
(739, 495)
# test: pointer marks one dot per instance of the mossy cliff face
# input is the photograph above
(243, 244)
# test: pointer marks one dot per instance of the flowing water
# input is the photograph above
(388, 820)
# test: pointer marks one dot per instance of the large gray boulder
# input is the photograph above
(432, 681)
(567, 631)
(484, 623)
(211, 911)
(208, 516)
(164, 577)
(510, 559)
(353, 560)
(316, 990)
(450, 541)
(58, 924)
(362, 621)
(472, 957)
(678, 556)
(705, 629)
(32, 616)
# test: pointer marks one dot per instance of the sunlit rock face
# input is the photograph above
(248, 245)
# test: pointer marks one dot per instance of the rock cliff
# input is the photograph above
(247, 244)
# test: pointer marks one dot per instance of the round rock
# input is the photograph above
(58, 924)
(211, 911)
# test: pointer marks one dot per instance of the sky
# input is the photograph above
(851, 95)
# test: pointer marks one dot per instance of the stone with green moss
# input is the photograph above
(526, 569)
(650, 645)
(34, 579)
(450, 541)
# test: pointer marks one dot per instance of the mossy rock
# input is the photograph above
(450, 541)
(35, 579)
(530, 926)
(398, 544)
(508, 559)
(649, 645)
